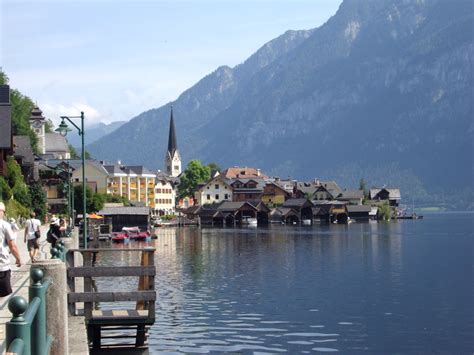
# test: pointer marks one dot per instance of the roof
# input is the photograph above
(297, 202)
(36, 114)
(115, 211)
(393, 194)
(54, 142)
(243, 172)
(22, 149)
(358, 208)
(117, 169)
(5, 118)
(284, 212)
(75, 163)
(172, 143)
(351, 195)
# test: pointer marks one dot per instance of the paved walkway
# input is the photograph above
(20, 278)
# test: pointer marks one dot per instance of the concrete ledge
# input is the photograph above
(77, 336)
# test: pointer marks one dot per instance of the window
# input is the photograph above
(216, 186)
(226, 196)
(217, 196)
(158, 191)
(176, 167)
(208, 196)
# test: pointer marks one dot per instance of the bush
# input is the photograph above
(5, 190)
(385, 212)
(14, 209)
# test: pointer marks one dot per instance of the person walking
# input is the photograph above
(32, 236)
(54, 232)
(7, 245)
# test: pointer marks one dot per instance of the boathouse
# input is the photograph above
(127, 217)
(358, 212)
(302, 206)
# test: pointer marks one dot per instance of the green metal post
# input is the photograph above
(18, 327)
(38, 328)
(84, 198)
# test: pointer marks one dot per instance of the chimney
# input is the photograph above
(119, 162)
(258, 172)
(317, 182)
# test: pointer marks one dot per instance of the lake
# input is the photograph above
(398, 287)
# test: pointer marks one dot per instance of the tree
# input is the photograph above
(195, 174)
(214, 167)
(94, 203)
(17, 183)
(5, 190)
(38, 200)
(73, 152)
(363, 187)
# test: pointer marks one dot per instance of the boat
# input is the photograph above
(306, 222)
(249, 221)
(119, 237)
(412, 216)
(134, 233)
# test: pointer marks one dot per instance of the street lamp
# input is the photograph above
(63, 129)
(65, 167)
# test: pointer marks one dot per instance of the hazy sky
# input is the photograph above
(116, 59)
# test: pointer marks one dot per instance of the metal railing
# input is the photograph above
(59, 251)
(26, 331)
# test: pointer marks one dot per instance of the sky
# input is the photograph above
(116, 59)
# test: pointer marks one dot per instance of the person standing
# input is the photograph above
(32, 236)
(7, 240)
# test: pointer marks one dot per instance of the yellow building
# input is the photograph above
(274, 194)
(136, 183)
(96, 175)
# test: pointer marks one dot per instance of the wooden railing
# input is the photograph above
(138, 319)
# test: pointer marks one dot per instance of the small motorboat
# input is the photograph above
(249, 221)
(134, 233)
(119, 237)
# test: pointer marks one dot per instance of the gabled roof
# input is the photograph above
(350, 195)
(243, 172)
(54, 142)
(22, 149)
(394, 194)
(297, 202)
(111, 211)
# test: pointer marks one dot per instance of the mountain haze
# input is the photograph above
(383, 90)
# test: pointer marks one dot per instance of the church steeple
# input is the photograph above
(172, 145)
(173, 159)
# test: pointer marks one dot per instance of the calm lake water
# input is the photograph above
(400, 287)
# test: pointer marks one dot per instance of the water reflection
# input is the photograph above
(361, 287)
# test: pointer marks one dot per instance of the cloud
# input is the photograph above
(55, 111)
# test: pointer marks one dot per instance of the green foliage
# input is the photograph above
(214, 166)
(5, 190)
(17, 183)
(14, 209)
(385, 212)
(195, 174)
(167, 217)
(38, 200)
(363, 187)
(116, 199)
(73, 152)
(94, 202)
(49, 126)
(87, 155)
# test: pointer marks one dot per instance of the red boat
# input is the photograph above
(134, 233)
(120, 237)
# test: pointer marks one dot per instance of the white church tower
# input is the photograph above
(173, 159)
(38, 124)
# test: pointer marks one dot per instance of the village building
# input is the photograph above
(392, 196)
(165, 194)
(173, 158)
(127, 216)
(302, 206)
(134, 182)
(352, 197)
(96, 174)
(243, 173)
(5, 128)
(247, 189)
(284, 215)
(274, 194)
(214, 191)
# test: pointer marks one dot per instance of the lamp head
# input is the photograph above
(63, 128)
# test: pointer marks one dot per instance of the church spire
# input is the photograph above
(172, 145)
(173, 159)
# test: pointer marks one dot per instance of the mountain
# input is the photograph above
(94, 132)
(383, 90)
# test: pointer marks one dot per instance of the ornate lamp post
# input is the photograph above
(63, 129)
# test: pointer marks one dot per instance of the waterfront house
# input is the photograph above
(302, 206)
(359, 212)
(135, 182)
(127, 217)
(232, 213)
(284, 215)
(352, 197)
(247, 189)
(96, 174)
(330, 211)
(53, 185)
(326, 190)
(392, 196)
(274, 194)
(216, 190)
(165, 194)
(5, 128)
